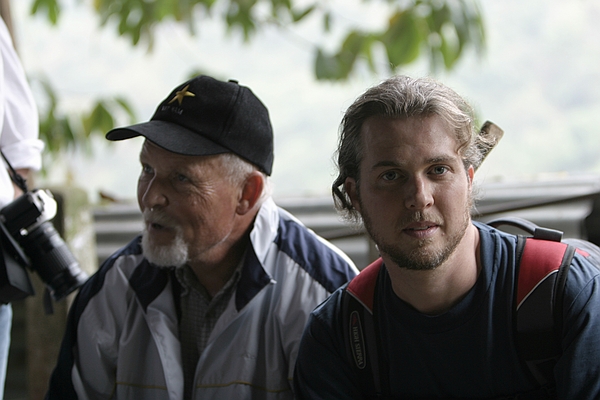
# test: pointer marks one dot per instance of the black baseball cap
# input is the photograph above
(205, 116)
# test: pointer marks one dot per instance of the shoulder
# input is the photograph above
(488, 233)
(125, 260)
(293, 236)
(584, 277)
(328, 314)
(320, 259)
(497, 248)
(112, 278)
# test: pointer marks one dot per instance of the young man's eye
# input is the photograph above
(390, 175)
(439, 170)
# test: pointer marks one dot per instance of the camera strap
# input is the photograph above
(14, 280)
(16, 178)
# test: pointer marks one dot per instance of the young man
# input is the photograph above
(210, 302)
(442, 301)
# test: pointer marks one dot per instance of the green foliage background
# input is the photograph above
(439, 30)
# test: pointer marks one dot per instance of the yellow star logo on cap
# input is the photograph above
(180, 94)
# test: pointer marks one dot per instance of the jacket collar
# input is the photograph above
(254, 275)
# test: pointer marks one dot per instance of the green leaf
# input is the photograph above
(327, 22)
(50, 7)
(299, 16)
(353, 47)
(438, 16)
(366, 52)
(98, 120)
(125, 106)
(450, 48)
(239, 15)
(327, 67)
(340, 65)
(476, 26)
(403, 38)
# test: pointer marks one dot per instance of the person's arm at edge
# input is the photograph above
(578, 369)
(322, 370)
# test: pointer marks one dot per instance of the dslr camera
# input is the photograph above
(30, 241)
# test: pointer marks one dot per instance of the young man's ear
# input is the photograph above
(352, 191)
(251, 192)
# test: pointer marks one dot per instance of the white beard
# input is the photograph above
(174, 254)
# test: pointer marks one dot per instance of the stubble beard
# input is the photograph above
(422, 257)
(174, 254)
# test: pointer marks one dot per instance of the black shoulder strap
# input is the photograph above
(359, 329)
(14, 176)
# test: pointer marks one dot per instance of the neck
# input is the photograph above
(214, 274)
(435, 291)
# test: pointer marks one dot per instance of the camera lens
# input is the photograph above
(53, 261)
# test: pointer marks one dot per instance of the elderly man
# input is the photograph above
(435, 313)
(211, 300)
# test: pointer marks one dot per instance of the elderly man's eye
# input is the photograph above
(146, 169)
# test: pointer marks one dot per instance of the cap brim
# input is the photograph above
(171, 137)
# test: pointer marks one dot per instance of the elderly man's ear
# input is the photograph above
(251, 192)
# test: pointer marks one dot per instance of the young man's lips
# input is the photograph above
(421, 229)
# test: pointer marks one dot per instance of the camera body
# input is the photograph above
(29, 238)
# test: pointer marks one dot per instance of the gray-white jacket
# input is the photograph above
(122, 337)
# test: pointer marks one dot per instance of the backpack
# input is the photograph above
(543, 261)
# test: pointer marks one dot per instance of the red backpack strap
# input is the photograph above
(542, 268)
(362, 286)
(359, 329)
